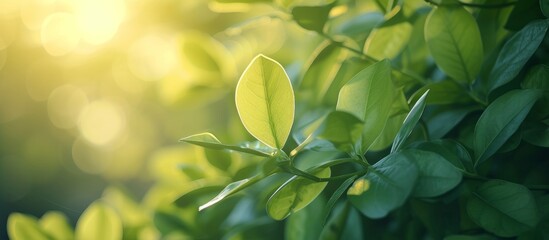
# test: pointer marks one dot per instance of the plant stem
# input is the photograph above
(344, 176)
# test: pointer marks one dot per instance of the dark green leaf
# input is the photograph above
(544, 4)
(500, 120)
(295, 194)
(369, 95)
(389, 183)
(503, 208)
(453, 38)
(193, 196)
(409, 123)
(516, 52)
(335, 196)
(443, 119)
(451, 150)
(208, 140)
(312, 17)
(436, 175)
(304, 225)
(443, 92)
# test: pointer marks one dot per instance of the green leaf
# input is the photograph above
(324, 67)
(399, 110)
(230, 190)
(409, 123)
(304, 225)
(469, 237)
(218, 158)
(343, 130)
(537, 134)
(23, 227)
(503, 208)
(544, 4)
(451, 150)
(443, 119)
(335, 196)
(56, 225)
(295, 194)
(99, 222)
(391, 180)
(312, 17)
(436, 175)
(453, 38)
(191, 197)
(345, 223)
(369, 96)
(265, 101)
(443, 92)
(208, 140)
(500, 120)
(516, 52)
(390, 38)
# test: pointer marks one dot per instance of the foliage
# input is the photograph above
(432, 125)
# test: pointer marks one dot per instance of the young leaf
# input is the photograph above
(436, 175)
(500, 120)
(453, 38)
(409, 123)
(295, 194)
(56, 225)
(208, 140)
(503, 208)
(516, 52)
(369, 96)
(343, 130)
(391, 181)
(265, 101)
(99, 222)
(23, 227)
(388, 40)
(231, 189)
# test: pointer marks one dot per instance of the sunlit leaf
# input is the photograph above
(390, 38)
(208, 140)
(23, 227)
(369, 96)
(409, 123)
(436, 175)
(295, 194)
(265, 101)
(453, 38)
(99, 222)
(516, 52)
(391, 181)
(503, 208)
(500, 120)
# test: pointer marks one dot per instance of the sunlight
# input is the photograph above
(101, 122)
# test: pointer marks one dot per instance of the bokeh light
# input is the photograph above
(101, 122)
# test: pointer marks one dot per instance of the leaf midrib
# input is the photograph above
(268, 104)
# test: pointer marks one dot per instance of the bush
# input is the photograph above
(436, 128)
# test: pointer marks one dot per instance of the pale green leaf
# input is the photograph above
(390, 38)
(99, 221)
(516, 52)
(369, 96)
(23, 227)
(295, 194)
(391, 180)
(56, 225)
(436, 175)
(453, 38)
(500, 121)
(409, 123)
(208, 140)
(265, 101)
(503, 208)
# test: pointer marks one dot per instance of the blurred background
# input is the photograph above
(97, 92)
